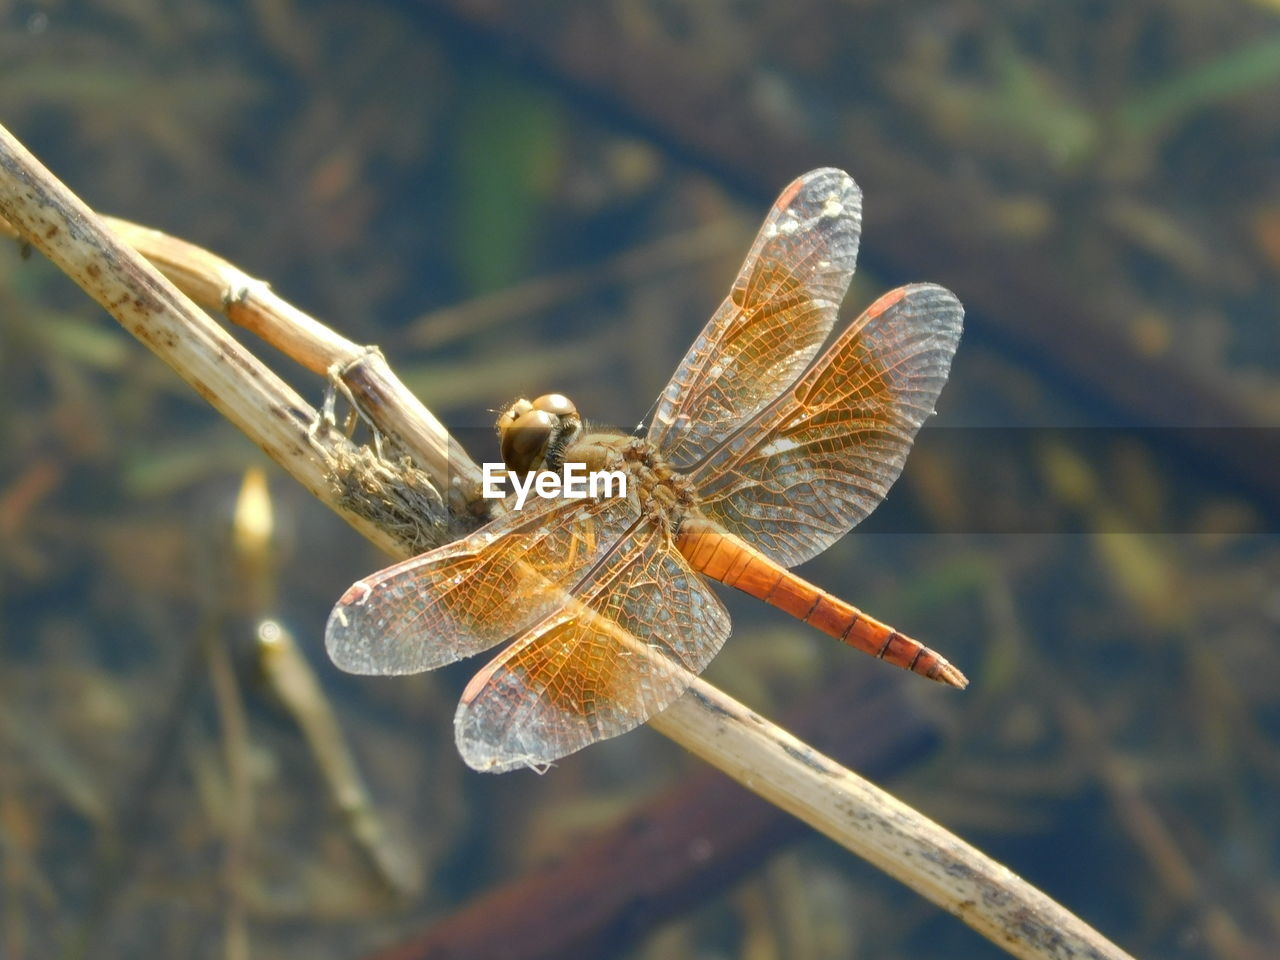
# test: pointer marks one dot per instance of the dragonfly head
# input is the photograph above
(535, 433)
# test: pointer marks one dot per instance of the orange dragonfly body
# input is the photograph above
(758, 458)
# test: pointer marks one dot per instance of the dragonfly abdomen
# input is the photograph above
(722, 556)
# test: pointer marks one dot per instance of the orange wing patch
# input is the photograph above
(781, 308)
(467, 596)
(640, 628)
(820, 458)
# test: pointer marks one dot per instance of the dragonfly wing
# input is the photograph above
(466, 596)
(782, 307)
(820, 458)
(640, 628)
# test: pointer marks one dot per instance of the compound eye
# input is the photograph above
(513, 413)
(556, 403)
(524, 440)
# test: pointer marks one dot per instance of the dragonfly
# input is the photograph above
(757, 458)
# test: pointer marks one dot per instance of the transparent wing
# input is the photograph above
(466, 596)
(820, 458)
(780, 310)
(641, 626)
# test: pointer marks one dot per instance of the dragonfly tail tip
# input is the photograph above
(951, 676)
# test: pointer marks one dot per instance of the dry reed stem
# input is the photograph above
(292, 679)
(764, 758)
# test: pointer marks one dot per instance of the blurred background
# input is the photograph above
(512, 199)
